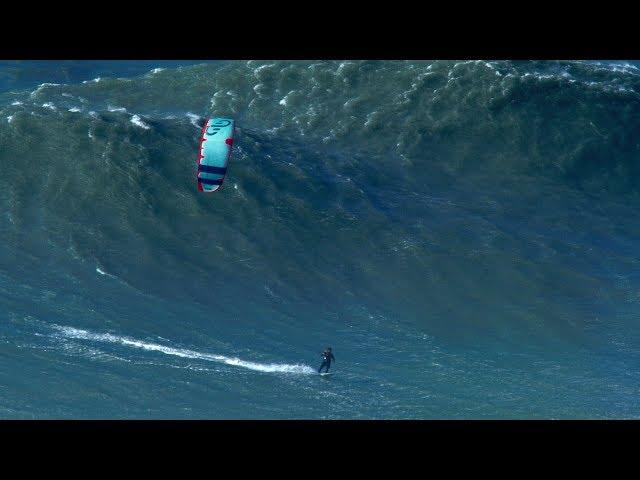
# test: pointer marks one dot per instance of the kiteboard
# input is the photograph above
(214, 153)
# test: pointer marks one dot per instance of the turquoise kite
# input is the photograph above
(215, 150)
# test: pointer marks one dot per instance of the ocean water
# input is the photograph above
(464, 234)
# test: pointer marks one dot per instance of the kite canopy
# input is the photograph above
(215, 150)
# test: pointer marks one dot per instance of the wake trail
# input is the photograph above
(76, 333)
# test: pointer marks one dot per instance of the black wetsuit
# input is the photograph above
(327, 356)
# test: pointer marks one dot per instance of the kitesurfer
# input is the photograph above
(327, 357)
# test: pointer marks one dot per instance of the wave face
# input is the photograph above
(449, 226)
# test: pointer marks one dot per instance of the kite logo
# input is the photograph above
(217, 126)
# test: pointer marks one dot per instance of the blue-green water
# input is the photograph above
(464, 234)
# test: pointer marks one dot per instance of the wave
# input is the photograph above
(137, 121)
(449, 180)
(570, 120)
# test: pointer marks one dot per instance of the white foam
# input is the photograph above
(42, 87)
(490, 66)
(95, 80)
(194, 119)
(157, 70)
(74, 109)
(16, 103)
(285, 100)
(624, 89)
(137, 121)
(76, 333)
(116, 109)
(621, 68)
(341, 67)
(102, 272)
(257, 71)
(370, 117)
(10, 118)
(49, 105)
